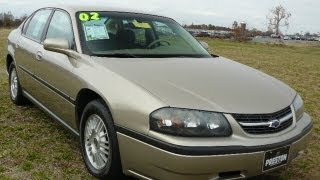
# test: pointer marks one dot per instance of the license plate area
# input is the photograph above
(275, 158)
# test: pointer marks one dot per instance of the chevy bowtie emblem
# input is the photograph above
(275, 123)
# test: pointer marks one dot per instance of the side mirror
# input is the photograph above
(205, 45)
(60, 46)
(55, 45)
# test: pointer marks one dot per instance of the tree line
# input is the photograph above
(207, 27)
(8, 20)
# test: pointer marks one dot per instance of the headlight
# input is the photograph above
(189, 123)
(298, 107)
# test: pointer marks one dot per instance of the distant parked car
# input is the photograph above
(312, 39)
(191, 32)
(275, 36)
(196, 34)
(304, 38)
(298, 38)
(286, 38)
(203, 34)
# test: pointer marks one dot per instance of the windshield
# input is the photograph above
(115, 34)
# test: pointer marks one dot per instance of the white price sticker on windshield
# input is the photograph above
(96, 32)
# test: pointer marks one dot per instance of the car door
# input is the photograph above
(27, 46)
(55, 71)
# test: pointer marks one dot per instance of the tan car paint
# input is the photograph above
(129, 104)
(215, 84)
(144, 161)
(25, 51)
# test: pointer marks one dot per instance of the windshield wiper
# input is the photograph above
(129, 55)
(117, 55)
(183, 56)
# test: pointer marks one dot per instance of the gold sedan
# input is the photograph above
(148, 100)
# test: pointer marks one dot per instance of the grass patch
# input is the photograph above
(27, 166)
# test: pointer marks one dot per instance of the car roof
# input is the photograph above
(73, 8)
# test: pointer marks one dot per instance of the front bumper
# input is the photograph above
(146, 159)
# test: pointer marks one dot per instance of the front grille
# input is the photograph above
(264, 123)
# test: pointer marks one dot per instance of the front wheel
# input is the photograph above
(99, 142)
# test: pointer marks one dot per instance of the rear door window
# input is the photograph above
(25, 25)
(37, 24)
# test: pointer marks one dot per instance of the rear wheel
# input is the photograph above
(99, 142)
(15, 89)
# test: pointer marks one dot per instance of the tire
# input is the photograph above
(94, 137)
(15, 90)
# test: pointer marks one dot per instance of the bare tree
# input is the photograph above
(8, 20)
(278, 17)
(1, 20)
(240, 32)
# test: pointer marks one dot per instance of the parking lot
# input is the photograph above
(289, 42)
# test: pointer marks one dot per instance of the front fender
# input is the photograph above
(12, 42)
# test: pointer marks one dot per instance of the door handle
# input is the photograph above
(39, 56)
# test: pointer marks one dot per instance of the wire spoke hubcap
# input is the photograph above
(97, 142)
(14, 84)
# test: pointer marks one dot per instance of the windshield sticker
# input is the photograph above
(89, 16)
(142, 25)
(96, 32)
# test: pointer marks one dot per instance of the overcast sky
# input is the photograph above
(305, 13)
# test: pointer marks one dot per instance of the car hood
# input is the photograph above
(213, 84)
